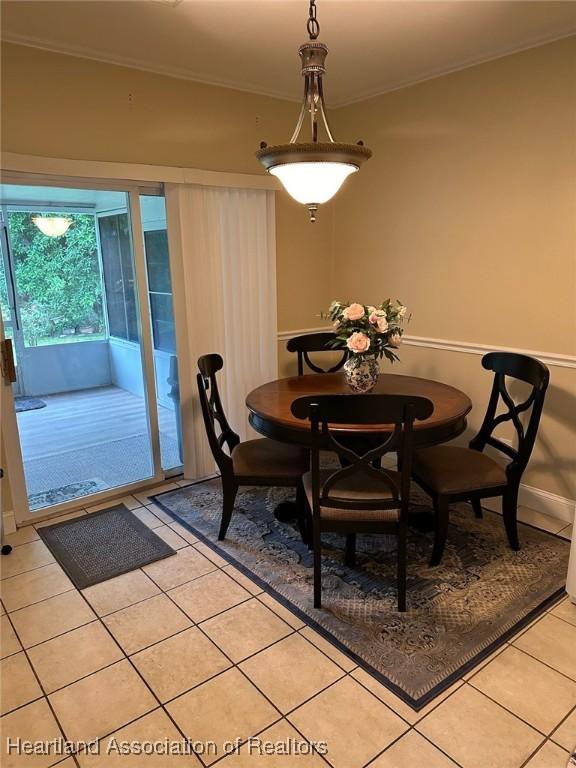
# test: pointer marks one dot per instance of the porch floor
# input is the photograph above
(89, 441)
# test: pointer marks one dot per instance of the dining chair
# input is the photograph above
(450, 473)
(261, 462)
(314, 342)
(359, 497)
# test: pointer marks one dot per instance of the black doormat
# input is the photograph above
(28, 404)
(458, 612)
(101, 545)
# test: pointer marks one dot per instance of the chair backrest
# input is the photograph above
(530, 371)
(328, 411)
(314, 342)
(218, 430)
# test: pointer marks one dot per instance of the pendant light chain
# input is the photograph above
(313, 171)
(312, 25)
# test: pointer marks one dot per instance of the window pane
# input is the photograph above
(128, 277)
(157, 261)
(119, 277)
(111, 266)
(4, 302)
(57, 278)
(163, 322)
(153, 211)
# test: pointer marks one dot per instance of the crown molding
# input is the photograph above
(433, 74)
(181, 73)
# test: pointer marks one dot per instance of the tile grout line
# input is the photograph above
(510, 712)
(527, 653)
(295, 631)
(137, 671)
(236, 665)
(560, 724)
(29, 570)
(44, 696)
(128, 658)
(533, 754)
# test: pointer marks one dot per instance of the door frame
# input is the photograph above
(15, 322)
(11, 437)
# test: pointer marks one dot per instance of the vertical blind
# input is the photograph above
(222, 244)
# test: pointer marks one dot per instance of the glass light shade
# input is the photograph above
(312, 183)
(52, 226)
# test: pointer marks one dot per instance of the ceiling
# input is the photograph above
(52, 197)
(375, 45)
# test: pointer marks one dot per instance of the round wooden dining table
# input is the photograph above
(270, 414)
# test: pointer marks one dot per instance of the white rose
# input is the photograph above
(395, 340)
(378, 318)
(358, 342)
(382, 323)
(401, 311)
(353, 312)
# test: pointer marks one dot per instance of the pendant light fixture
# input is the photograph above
(52, 226)
(312, 172)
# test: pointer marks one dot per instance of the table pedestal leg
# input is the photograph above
(286, 511)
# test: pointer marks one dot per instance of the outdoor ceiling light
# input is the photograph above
(52, 226)
(312, 172)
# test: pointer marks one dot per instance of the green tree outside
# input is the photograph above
(58, 279)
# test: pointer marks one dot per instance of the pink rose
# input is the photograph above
(353, 312)
(378, 318)
(358, 342)
(395, 340)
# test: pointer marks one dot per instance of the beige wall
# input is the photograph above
(467, 213)
(61, 106)
(467, 209)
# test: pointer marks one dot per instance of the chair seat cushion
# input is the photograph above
(449, 470)
(358, 487)
(269, 459)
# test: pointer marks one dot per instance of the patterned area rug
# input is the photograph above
(458, 613)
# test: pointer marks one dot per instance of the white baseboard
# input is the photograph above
(8, 522)
(545, 502)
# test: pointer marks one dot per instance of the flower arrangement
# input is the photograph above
(368, 331)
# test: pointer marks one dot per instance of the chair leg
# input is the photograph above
(441, 508)
(309, 530)
(509, 509)
(229, 493)
(477, 507)
(350, 550)
(317, 565)
(302, 512)
(402, 569)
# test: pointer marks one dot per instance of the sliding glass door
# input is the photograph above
(95, 397)
(8, 309)
(153, 212)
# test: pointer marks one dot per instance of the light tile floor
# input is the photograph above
(188, 647)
